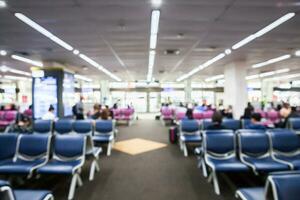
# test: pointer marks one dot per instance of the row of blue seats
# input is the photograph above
(39, 154)
(279, 186)
(225, 151)
(102, 131)
(7, 193)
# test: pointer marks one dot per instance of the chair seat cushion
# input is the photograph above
(227, 165)
(4, 123)
(295, 160)
(256, 193)
(19, 167)
(59, 167)
(266, 164)
(103, 138)
(31, 194)
(191, 138)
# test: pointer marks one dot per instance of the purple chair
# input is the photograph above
(208, 114)
(179, 116)
(273, 116)
(167, 114)
(9, 117)
(197, 115)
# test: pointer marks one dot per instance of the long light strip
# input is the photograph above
(17, 78)
(57, 40)
(264, 30)
(240, 44)
(214, 78)
(77, 76)
(266, 74)
(155, 15)
(271, 61)
(290, 76)
(43, 31)
(4, 68)
(27, 60)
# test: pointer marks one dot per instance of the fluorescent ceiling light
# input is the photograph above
(43, 31)
(76, 52)
(2, 4)
(27, 60)
(156, 3)
(264, 30)
(214, 78)
(77, 76)
(297, 53)
(153, 41)
(3, 53)
(155, 21)
(271, 61)
(266, 74)
(4, 68)
(89, 60)
(213, 60)
(17, 78)
(290, 76)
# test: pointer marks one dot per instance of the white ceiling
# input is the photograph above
(106, 30)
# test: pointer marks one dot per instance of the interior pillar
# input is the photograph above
(188, 90)
(235, 87)
(105, 92)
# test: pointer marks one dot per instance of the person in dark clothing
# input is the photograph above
(248, 111)
(97, 112)
(255, 122)
(217, 119)
(189, 113)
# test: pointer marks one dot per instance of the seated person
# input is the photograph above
(97, 112)
(50, 114)
(217, 119)
(256, 122)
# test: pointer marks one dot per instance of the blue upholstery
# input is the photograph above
(190, 126)
(285, 145)
(69, 151)
(208, 132)
(294, 123)
(25, 194)
(206, 123)
(255, 152)
(42, 126)
(83, 126)
(251, 131)
(104, 126)
(33, 151)
(63, 126)
(256, 193)
(245, 122)
(191, 138)
(231, 124)
(8, 145)
(286, 187)
(103, 138)
(220, 152)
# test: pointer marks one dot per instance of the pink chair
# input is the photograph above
(208, 114)
(117, 114)
(2, 113)
(127, 114)
(179, 116)
(9, 117)
(273, 116)
(198, 115)
(167, 114)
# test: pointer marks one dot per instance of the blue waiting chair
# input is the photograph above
(32, 152)
(245, 123)
(278, 187)
(254, 150)
(231, 124)
(104, 133)
(8, 147)
(63, 126)
(294, 124)
(220, 155)
(189, 131)
(285, 147)
(42, 126)
(206, 123)
(85, 128)
(68, 159)
(7, 193)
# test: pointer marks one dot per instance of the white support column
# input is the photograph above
(105, 92)
(267, 90)
(188, 90)
(235, 87)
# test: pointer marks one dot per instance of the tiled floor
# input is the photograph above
(137, 146)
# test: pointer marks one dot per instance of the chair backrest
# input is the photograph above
(245, 122)
(251, 131)
(83, 127)
(8, 146)
(104, 126)
(10, 115)
(231, 124)
(32, 147)
(254, 144)
(166, 112)
(206, 123)
(180, 115)
(189, 126)
(127, 111)
(42, 126)
(284, 141)
(63, 126)
(69, 147)
(285, 186)
(294, 123)
(219, 144)
(2, 114)
(6, 192)
(197, 115)
(208, 114)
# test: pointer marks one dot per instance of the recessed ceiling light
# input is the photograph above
(76, 52)
(2, 4)
(156, 3)
(3, 53)
(227, 51)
